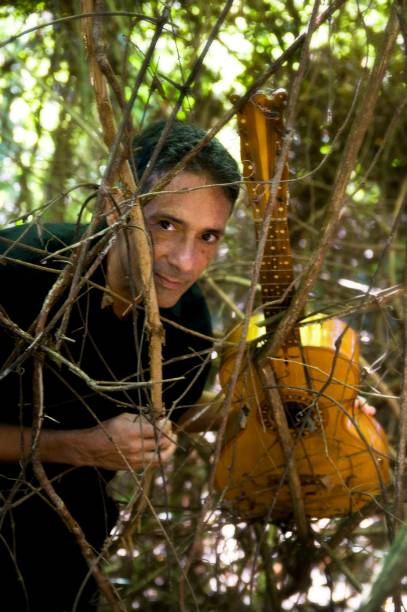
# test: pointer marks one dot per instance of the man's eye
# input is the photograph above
(165, 225)
(210, 237)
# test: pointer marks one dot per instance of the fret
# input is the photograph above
(270, 260)
(273, 227)
(273, 236)
(282, 288)
(276, 242)
(274, 274)
(272, 256)
(268, 285)
(272, 264)
(269, 272)
(259, 222)
(277, 237)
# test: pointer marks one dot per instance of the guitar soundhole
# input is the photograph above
(297, 415)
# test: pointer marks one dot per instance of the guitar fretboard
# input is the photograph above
(261, 129)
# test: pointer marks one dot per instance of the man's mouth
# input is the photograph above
(168, 283)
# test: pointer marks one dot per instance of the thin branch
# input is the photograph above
(183, 93)
(361, 122)
(266, 373)
(58, 502)
(258, 83)
(72, 18)
(389, 578)
(401, 454)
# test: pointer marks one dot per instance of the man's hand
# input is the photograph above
(127, 442)
(362, 404)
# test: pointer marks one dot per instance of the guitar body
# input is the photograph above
(341, 453)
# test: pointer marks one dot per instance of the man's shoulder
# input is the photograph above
(33, 241)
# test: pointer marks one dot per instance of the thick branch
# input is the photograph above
(357, 131)
(258, 83)
(138, 237)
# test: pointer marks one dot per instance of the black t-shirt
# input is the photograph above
(107, 350)
(98, 343)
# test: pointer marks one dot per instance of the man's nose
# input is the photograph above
(183, 256)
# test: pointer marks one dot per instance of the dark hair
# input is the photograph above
(213, 159)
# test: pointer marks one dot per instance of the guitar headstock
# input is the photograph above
(261, 129)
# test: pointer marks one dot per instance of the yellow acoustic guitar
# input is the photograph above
(341, 453)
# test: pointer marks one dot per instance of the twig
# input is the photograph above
(342, 567)
(37, 421)
(242, 343)
(224, 296)
(258, 83)
(401, 453)
(381, 386)
(393, 570)
(355, 138)
(73, 17)
(266, 373)
(43, 347)
(58, 502)
(183, 92)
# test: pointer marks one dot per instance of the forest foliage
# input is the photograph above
(53, 157)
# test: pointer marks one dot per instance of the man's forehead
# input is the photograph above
(189, 179)
(192, 195)
(188, 182)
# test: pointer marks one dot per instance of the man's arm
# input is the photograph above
(123, 442)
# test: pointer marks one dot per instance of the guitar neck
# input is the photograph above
(261, 130)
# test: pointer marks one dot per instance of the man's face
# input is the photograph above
(185, 227)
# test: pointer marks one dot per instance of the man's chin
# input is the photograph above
(167, 298)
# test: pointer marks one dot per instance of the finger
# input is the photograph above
(165, 425)
(148, 445)
(155, 459)
(167, 453)
(165, 441)
(362, 404)
(165, 431)
(144, 430)
(160, 429)
(368, 409)
(162, 455)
